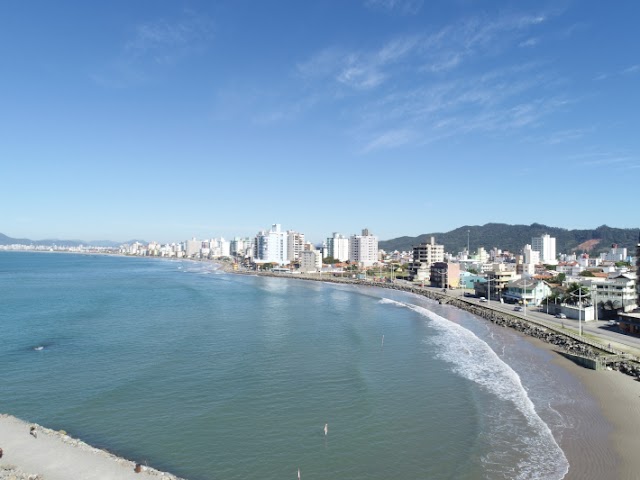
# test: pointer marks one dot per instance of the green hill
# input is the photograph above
(514, 237)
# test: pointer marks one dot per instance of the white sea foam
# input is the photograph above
(543, 459)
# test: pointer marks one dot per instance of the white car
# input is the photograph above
(560, 315)
(482, 299)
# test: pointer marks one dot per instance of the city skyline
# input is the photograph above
(168, 121)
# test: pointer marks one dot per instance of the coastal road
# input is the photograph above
(600, 329)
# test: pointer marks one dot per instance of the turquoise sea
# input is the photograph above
(211, 375)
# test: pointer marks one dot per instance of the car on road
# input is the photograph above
(517, 309)
(612, 323)
(560, 315)
(482, 299)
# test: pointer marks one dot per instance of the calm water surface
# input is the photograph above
(210, 375)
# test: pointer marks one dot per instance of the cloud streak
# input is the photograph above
(153, 46)
(630, 70)
(441, 51)
(403, 7)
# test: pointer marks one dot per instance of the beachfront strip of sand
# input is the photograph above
(603, 443)
(46, 454)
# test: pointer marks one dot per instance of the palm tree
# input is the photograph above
(576, 293)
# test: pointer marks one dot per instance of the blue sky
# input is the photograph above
(167, 120)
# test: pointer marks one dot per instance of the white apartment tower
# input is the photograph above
(193, 247)
(338, 247)
(531, 256)
(363, 248)
(295, 245)
(271, 246)
(546, 245)
(240, 246)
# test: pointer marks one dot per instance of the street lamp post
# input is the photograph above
(580, 308)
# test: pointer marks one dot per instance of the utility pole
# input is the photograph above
(524, 300)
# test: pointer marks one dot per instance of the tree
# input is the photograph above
(330, 260)
(575, 292)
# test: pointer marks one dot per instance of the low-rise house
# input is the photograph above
(526, 291)
(468, 279)
(630, 323)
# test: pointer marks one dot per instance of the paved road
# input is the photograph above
(604, 333)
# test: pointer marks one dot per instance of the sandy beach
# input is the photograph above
(603, 440)
(52, 455)
(600, 450)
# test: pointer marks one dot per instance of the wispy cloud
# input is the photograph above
(360, 70)
(568, 135)
(434, 52)
(404, 7)
(529, 42)
(165, 42)
(417, 89)
(154, 45)
(618, 160)
(389, 139)
(497, 100)
(630, 70)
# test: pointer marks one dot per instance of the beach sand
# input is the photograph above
(603, 441)
(54, 455)
(618, 397)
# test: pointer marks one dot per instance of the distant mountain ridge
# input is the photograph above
(6, 240)
(514, 237)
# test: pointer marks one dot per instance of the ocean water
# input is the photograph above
(211, 375)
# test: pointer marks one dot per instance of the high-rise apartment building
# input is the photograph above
(193, 247)
(546, 245)
(338, 247)
(363, 248)
(427, 253)
(295, 245)
(271, 246)
(531, 256)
